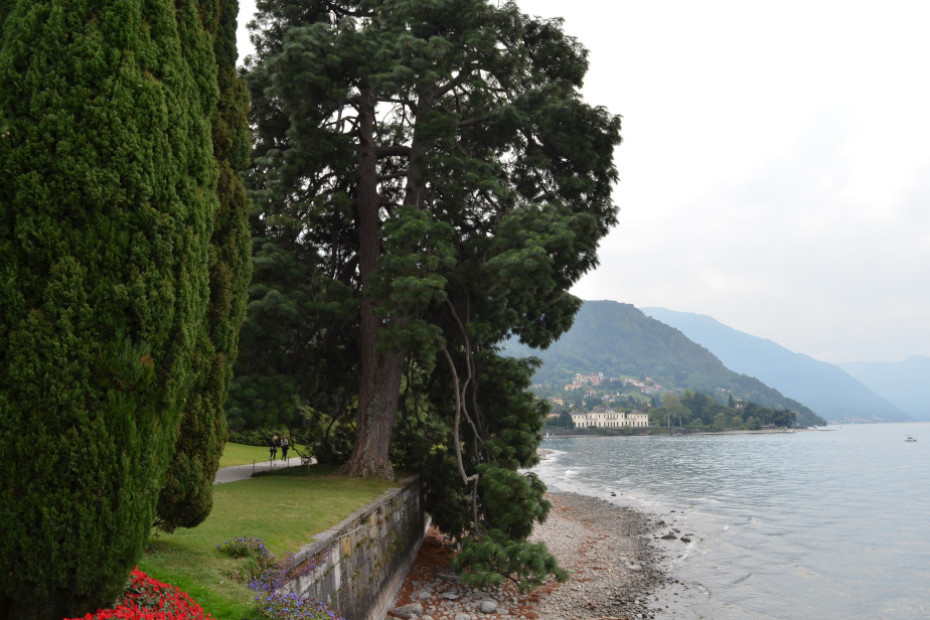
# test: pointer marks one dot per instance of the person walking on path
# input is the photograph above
(284, 447)
(273, 447)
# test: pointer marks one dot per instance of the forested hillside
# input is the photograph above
(618, 340)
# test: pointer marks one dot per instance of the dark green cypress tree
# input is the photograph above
(106, 202)
(5, 7)
(187, 497)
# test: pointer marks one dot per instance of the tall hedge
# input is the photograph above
(187, 497)
(106, 202)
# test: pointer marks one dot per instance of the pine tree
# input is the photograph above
(483, 132)
(187, 497)
(436, 159)
(106, 204)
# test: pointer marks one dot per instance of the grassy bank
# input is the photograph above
(285, 510)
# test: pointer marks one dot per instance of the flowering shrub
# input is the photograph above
(265, 573)
(242, 547)
(150, 599)
(269, 574)
(292, 607)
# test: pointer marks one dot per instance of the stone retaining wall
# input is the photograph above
(361, 563)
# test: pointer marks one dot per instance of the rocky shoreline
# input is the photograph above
(609, 551)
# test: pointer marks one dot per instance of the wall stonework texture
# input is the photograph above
(362, 562)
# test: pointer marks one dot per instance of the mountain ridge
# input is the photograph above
(905, 383)
(829, 390)
(621, 340)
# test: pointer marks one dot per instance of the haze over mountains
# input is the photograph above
(861, 392)
(905, 383)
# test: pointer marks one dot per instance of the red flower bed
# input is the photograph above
(150, 599)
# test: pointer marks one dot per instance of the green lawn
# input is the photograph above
(238, 454)
(285, 510)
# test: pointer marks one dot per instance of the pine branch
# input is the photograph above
(395, 150)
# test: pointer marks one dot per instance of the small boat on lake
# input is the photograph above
(911, 439)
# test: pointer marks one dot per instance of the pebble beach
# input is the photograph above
(608, 550)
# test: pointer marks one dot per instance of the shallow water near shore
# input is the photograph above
(809, 524)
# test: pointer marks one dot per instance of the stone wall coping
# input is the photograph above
(325, 539)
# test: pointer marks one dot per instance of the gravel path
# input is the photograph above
(243, 472)
(608, 550)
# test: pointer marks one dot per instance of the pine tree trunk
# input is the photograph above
(378, 396)
(380, 372)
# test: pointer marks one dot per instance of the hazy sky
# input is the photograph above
(775, 168)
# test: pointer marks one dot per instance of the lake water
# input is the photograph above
(810, 524)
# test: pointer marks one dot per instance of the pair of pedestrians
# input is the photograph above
(273, 447)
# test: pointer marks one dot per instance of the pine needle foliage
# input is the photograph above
(106, 203)
(433, 169)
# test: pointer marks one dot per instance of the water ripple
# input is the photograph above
(836, 519)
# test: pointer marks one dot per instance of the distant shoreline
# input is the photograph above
(683, 432)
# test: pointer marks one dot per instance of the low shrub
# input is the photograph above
(268, 574)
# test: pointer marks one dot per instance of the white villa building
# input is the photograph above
(610, 419)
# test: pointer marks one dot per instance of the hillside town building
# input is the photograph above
(610, 419)
(583, 380)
